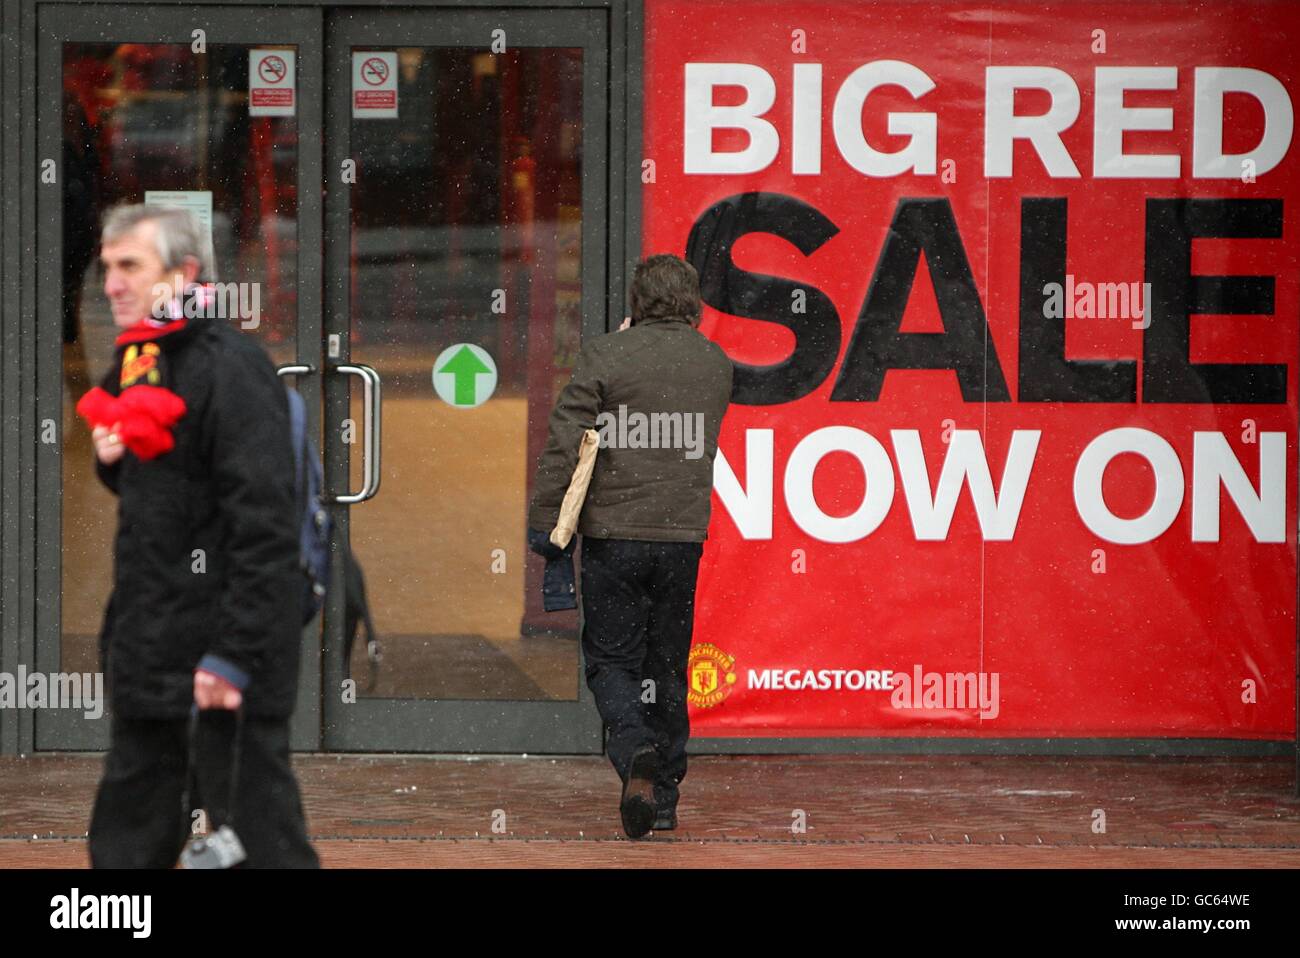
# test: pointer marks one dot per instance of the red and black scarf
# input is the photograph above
(144, 410)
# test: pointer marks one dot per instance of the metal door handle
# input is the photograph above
(370, 451)
(294, 369)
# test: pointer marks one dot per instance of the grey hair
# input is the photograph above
(179, 234)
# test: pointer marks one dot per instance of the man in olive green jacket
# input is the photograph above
(655, 392)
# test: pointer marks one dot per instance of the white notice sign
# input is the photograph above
(198, 202)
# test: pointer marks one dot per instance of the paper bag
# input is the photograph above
(571, 507)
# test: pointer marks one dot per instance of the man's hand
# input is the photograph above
(108, 446)
(213, 692)
(627, 321)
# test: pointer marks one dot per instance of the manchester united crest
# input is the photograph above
(140, 363)
(710, 675)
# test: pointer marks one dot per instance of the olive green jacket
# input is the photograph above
(656, 393)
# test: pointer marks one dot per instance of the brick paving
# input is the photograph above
(860, 811)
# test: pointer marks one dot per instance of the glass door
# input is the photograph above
(465, 235)
(204, 107)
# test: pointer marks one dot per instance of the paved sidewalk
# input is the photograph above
(896, 811)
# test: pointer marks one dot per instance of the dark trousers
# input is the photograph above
(638, 604)
(138, 821)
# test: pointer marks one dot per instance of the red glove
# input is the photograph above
(144, 416)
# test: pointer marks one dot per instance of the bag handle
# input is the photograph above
(191, 771)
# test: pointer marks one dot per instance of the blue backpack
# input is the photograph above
(314, 521)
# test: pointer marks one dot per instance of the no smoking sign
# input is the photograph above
(374, 71)
(374, 85)
(272, 69)
(271, 83)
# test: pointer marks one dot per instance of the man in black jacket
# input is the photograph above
(204, 611)
(656, 392)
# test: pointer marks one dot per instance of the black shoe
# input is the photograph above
(665, 818)
(638, 802)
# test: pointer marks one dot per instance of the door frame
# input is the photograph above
(543, 726)
(15, 729)
(55, 729)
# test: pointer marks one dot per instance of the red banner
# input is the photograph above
(1012, 291)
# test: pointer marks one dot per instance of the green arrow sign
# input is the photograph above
(464, 375)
